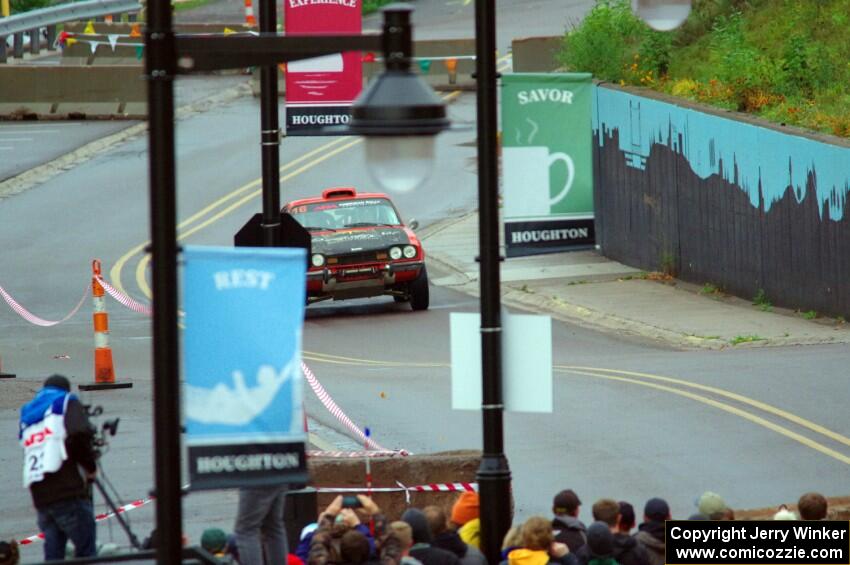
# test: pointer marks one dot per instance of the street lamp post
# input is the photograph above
(270, 135)
(494, 475)
(397, 105)
(160, 70)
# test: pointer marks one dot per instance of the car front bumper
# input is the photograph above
(360, 281)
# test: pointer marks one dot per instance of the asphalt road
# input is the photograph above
(607, 437)
(743, 423)
(25, 145)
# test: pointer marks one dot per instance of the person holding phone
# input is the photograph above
(343, 512)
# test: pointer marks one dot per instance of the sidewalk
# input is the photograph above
(585, 287)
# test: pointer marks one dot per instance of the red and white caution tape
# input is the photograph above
(126, 508)
(32, 318)
(125, 300)
(354, 454)
(337, 412)
(434, 487)
(445, 487)
(99, 518)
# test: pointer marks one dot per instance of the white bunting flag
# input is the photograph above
(113, 40)
(94, 45)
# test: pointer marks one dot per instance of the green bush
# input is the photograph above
(605, 42)
(784, 60)
(654, 51)
(370, 6)
(18, 6)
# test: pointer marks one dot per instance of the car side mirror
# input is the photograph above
(413, 224)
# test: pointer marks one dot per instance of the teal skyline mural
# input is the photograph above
(746, 155)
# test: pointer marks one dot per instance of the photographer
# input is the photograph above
(340, 516)
(59, 463)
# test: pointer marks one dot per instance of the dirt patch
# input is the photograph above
(445, 467)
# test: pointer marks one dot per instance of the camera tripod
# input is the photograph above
(115, 512)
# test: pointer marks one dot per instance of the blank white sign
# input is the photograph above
(526, 362)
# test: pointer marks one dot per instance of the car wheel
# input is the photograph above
(419, 294)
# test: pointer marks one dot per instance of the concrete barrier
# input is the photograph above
(438, 75)
(446, 467)
(536, 54)
(80, 53)
(117, 91)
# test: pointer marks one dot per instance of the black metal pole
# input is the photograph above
(160, 63)
(270, 135)
(494, 475)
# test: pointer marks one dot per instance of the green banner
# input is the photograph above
(547, 164)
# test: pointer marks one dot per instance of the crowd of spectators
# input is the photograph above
(353, 531)
(430, 536)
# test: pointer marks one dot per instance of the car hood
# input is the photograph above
(356, 241)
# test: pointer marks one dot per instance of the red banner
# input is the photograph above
(319, 91)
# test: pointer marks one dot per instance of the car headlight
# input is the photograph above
(318, 260)
(395, 252)
(409, 251)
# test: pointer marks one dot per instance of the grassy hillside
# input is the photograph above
(785, 60)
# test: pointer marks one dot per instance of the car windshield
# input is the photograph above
(341, 214)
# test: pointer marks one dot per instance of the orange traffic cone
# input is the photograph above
(249, 14)
(104, 371)
(12, 375)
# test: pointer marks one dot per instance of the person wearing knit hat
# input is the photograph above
(465, 509)
(651, 532)
(422, 538)
(465, 518)
(712, 505)
(214, 541)
(600, 544)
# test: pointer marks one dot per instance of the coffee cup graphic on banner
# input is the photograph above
(527, 173)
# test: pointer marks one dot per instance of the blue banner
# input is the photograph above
(243, 392)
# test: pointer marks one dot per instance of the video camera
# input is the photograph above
(107, 429)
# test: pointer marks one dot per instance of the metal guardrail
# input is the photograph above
(32, 22)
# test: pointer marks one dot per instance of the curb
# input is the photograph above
(586, 317)
(44, 172)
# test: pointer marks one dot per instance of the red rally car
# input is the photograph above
(360, 248)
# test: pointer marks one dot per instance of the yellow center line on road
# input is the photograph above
(339, 359)
(802, 422)
(627, 377)
(726, 408)
(320, 443)
(115, 272)
(141, 268)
